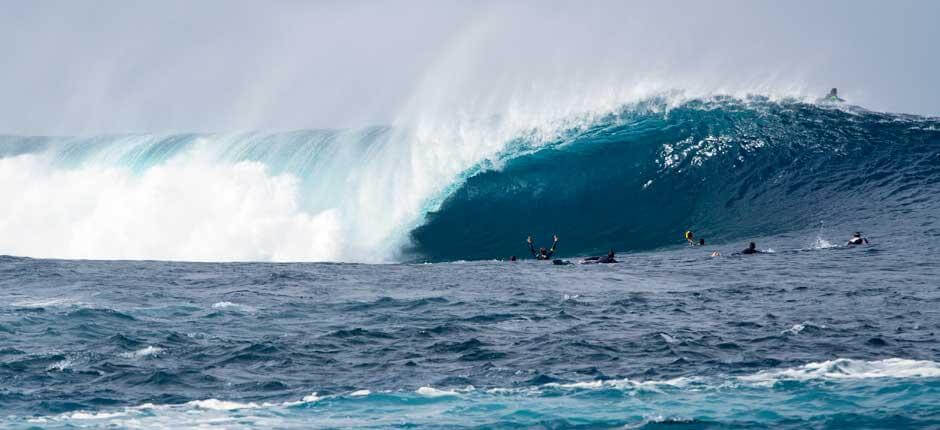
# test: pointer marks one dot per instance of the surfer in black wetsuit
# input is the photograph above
(609, 258)
(751, 249)
(542, 253)
(833, 96)
(857, 239)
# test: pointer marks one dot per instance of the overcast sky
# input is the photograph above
(73, 67)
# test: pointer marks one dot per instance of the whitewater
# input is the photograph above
(228, 279)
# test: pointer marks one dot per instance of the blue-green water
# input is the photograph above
(809, 334)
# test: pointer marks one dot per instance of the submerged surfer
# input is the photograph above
(857, 239)
(542, 253)
(751, 249)
(609, 258)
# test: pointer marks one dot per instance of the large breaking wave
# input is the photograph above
(631, 179)
(726, 168)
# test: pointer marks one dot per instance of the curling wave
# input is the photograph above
(725, 167)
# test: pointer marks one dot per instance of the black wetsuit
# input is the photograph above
(540, 256)
(600, 260)
(857, 241)
(750, 251)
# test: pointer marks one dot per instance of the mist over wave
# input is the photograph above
(310, 195)
(632, 177)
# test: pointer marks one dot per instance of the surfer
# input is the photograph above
(609, 258)
(751, 249)
(833, 96)
(701, 242)
(689, 236)
(857, 239)
(542, 253)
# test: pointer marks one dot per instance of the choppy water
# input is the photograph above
(809, 336)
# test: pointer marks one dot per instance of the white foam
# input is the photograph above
(235, 306)
(434, 392)
(656, 419)
(45, 303)
(360, 393)
(846, 368)
(310, 398)
(81, 415)
(61, 365)
(189, 208)
(623, 384)
(143, 352)
(669, 339)
(821, 243)
(798, 328)
(221, 405)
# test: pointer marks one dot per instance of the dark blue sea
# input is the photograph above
(421, 322)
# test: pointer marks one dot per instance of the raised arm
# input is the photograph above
(531, 248)
(554, 244)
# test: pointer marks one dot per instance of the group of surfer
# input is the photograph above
(856, 239)
(547, 253)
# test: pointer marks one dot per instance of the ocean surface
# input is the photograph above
(420, 322)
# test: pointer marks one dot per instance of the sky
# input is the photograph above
(109, 66)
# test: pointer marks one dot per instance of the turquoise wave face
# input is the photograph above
(725, 168)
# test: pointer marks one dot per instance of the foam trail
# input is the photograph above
(846, 368)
